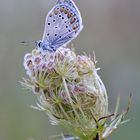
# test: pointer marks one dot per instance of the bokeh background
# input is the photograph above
(111, 29)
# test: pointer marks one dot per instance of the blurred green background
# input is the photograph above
(111, 29)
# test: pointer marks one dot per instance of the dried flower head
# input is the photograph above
(69, 91)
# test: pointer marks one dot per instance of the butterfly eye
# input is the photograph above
(39, 44)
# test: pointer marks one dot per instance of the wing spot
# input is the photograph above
(61, 10)
(59, 15)
(49, 23)
(69, 15)
(55, 34)
(48, 34)
(66, 26)
(72, 20)
(74, 27)
(54, 20)
(62, 17)
(56, 12)
(65, 11)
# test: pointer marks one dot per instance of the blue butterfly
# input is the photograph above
(63, 24)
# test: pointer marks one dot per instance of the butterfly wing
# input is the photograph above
(63, 24)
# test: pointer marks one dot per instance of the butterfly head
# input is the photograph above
(44, 46)
(39, 44)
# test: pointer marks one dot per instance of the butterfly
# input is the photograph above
(63, 24)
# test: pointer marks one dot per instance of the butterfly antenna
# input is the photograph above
(28, 43)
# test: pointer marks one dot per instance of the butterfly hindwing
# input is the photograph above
(63, 24)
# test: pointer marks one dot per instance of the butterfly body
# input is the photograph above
(63, 24)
